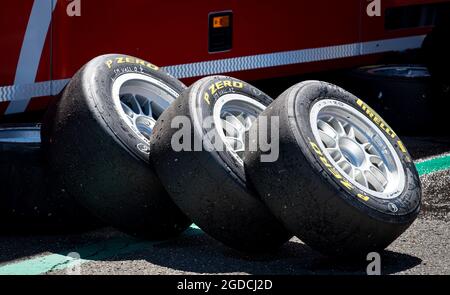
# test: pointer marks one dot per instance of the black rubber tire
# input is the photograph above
(309, 199)
(212, 188)
(29, 200)
(407, 103)
(100, 160)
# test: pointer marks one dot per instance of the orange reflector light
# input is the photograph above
(221, 22)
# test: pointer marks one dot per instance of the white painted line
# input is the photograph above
(30, 54)
(21, 93)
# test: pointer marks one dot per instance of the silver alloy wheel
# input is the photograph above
(233, 116)
(357, 148)
(140, 100)
(20, 135)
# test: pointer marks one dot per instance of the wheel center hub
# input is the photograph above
(352, 151)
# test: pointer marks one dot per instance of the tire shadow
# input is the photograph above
(195, 253)
(200, 254)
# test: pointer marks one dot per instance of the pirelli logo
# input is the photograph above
(376, 119)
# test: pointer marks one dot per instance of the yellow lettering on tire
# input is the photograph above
(316, 148)
(376, 119)
(109, 63)
(330, 168)
(206, 98)
(347, 184)
(402, 146)
(238, 84)
(227, 84)
(363, 197)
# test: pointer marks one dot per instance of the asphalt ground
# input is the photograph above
(422, 249)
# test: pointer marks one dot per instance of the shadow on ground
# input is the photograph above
(200, 254)
(195, 252)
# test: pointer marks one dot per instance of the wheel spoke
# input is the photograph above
(329, 141)
(351, 132)
(346, 166)
(147, 108)
(235, 122)
(136, 106)
(351, 172)
(129, 112)
(337, 125)
(230, 129)
(368, 147)
(374, 182)
(326, 128)
(241, 117)
(382, 167)
(376, 160)
(361, 178)
(379, 175)
(131, 101)
(360, 137)
(335, 154)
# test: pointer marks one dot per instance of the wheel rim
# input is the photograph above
(140, 100)
(20, 135)
(357, 148)
(233, 115)
(401, 71)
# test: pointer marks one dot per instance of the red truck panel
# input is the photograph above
(270, 38)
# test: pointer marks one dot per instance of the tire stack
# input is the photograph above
(138, 150)
(413, 98)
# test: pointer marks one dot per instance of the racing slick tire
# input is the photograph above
(97, 141)
(402, 94)
(343, 182)
(212, 190)
(29, 200)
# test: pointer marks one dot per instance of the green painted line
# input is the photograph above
(433, 165)
(93, 252)
(39, 265)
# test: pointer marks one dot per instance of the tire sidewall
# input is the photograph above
(300, 101)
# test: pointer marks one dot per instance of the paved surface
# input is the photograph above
(422, 249)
